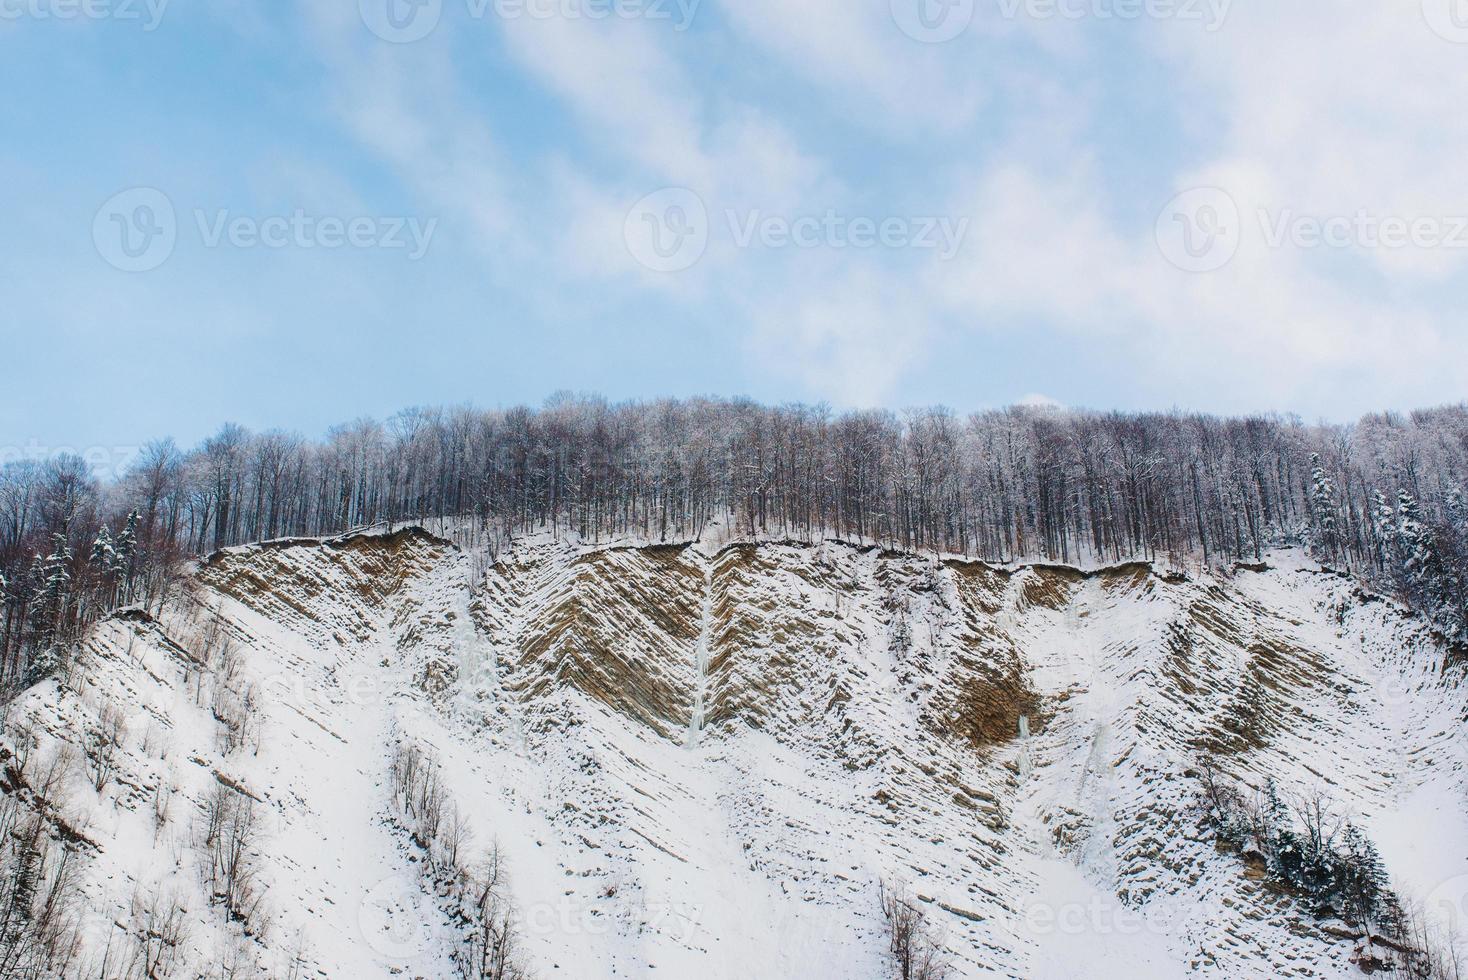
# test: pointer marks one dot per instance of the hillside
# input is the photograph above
(710, 761)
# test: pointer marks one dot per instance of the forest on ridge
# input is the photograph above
(1382, 498)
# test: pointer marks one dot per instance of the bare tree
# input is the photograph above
(1384, 497)
(918, 954)
(227, 835)
(490, 946)
(150, 944)
(102, 744)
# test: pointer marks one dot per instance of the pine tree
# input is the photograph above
(1384, 529)
(125, 554)
(102, 556)
(1453, 615)
(1324, 533)
(1430, 584)
(1274, 808)
(20, 910)
(53, 576)
(1456, 507)
(103, 561)
(1412, 544)
(1281, 845)
(1360, 879)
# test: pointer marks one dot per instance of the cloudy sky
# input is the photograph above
(293, 214)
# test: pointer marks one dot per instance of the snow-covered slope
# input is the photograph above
(704, 762)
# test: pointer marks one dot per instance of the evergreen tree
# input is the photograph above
(1456, 508)
(53, 577)
(103, 557)
(1384, 529)
(1360, 879)
(1324, 532)
(1279, 842)
(1430, 584)
(103, 560)
(20, 908)
(125, 554)
(1453, 543)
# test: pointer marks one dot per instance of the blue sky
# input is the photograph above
(1229, 206)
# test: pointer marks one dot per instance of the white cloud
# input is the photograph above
(1044, 251)
(1308, 108)
(1325, 110)
(404, 104)
(1337, 107)
(843, 331)
(857, 51)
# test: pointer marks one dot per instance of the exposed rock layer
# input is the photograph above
(703, 762)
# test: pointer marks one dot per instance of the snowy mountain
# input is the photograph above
(360, 757)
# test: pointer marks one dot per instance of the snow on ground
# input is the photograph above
(705, 762)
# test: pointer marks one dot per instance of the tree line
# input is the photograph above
(1382, 498)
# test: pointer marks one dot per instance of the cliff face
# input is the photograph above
(703, 763)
